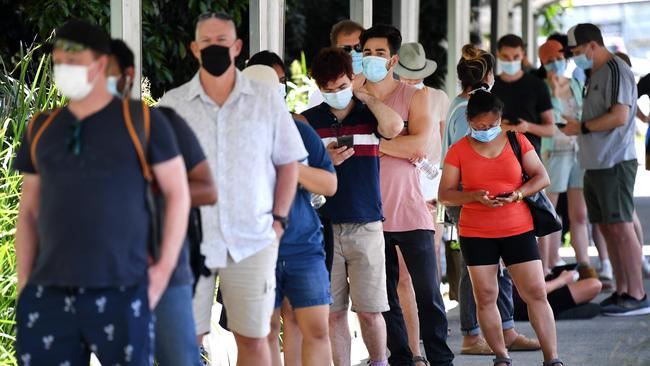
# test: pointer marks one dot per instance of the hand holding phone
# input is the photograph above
(347, 141)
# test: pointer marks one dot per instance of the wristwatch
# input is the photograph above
(283, 220)
(520, 196)
(583, 128)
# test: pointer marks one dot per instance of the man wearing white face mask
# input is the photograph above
(83, 227)
(528, 107)
(350, 127)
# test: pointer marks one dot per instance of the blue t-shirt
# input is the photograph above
(192, 154)
(358, 198)
(303, 236)
(93, 223)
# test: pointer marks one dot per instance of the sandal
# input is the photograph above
(506, 360)
(553, 362)
(417, 359)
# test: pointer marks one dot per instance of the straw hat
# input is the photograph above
(413, 63)
(262, 74)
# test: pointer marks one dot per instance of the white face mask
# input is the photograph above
(72, 81)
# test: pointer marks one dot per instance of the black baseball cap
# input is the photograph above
(584, 33)
(76, 35)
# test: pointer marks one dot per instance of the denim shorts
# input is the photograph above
(304, 281)
(564, 171)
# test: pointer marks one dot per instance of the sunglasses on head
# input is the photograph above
(69, 46)
(211, 14)
(349, 49)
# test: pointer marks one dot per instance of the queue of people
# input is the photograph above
(303, 217)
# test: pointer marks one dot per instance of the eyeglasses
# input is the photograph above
(69, 46)
(74, 141)
(357, 47)
(222, 15)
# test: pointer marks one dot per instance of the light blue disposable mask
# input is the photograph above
(357, 62)
(419, 85)
(559, 67)
(111, 86)
(583, 62)
(486, 135)
(374, 68)
(282, 89)
(340, 99)
(510, 67)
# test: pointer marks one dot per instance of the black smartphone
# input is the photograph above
(557, 270)
(503, 195)
(347, 140)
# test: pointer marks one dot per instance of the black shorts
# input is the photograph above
(512, 249)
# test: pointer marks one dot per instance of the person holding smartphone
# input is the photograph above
(560, 156)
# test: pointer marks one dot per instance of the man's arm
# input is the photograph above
(420, 131)
(26, 230)
(172, 181)
(641, 116)
(390, 123)
(316, 180)
(616, 117)
(545, 129)
(285, 191)
(202, 189)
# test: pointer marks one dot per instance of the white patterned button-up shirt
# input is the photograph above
(243, 140)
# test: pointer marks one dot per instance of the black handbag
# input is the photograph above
(545, 218)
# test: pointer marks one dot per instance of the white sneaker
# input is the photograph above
(605, 272)
(645, 266)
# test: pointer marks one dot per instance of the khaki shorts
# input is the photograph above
(359, 268)
(202, 303)
(248, 291)
(609, 193)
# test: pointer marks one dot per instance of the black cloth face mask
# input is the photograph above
(215, 59)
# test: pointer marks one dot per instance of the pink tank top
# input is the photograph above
(402, 200)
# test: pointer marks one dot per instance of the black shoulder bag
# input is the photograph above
(545, 218)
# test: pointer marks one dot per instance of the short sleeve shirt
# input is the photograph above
(612, 84)
(192, 154)
(526, 98)
(303, 236)
(456, 126)
(358, 196)
(244, 140)
(93, 224)
(498, 175)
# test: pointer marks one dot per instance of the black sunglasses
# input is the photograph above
(74, 141)
(356, 47)
(218, 15)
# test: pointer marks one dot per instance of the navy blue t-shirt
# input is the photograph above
(93, 224)
(358, 197)
(303, 236)
(192, 154)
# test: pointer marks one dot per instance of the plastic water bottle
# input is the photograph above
(317, 201)
(427, 168)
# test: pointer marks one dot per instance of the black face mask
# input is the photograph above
(215, 59)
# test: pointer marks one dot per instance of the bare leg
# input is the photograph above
(585, 290)
(315, 335)
(578, 218)
(486, 289)
(292, 336)
(638, 229)
(615, 258)
(622, 241)
(373, 332)
(274, 339)
(340, 338)
(252, 351)
(599, 241)
(409, 305)
(529, 279)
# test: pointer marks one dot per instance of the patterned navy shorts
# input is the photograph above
(62, 326)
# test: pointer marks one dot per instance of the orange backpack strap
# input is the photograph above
(33, 139)
(139, 132)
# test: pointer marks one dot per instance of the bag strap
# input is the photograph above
(139, 132)
(516, 148)
(33, 139)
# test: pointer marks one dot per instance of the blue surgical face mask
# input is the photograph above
(340, 99)
(375, 68)
(558, 66)
(486, 135)
(510, 67)
(111, 86)
(583, 62)
(282, 89)
(419, 85)
(357, 62)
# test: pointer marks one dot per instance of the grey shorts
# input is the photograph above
(609, 193)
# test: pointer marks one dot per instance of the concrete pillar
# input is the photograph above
(266, 19)
(528, 30)
(458, 28)
(500, 10)
(361, 12)
(126, 23)
(406, 17)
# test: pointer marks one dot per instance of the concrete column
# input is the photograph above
(266, 19)
(406, 17)
(361, 12)
(528, 29)
(500, 10)
(458, 28)
(126, 23)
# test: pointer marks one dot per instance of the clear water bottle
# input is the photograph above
(317, 201)
(427, 168)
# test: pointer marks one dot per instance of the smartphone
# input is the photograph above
(347, 140)
(557, 270)
(503, 195)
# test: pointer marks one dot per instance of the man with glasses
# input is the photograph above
(252, 146)
(84, 279)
